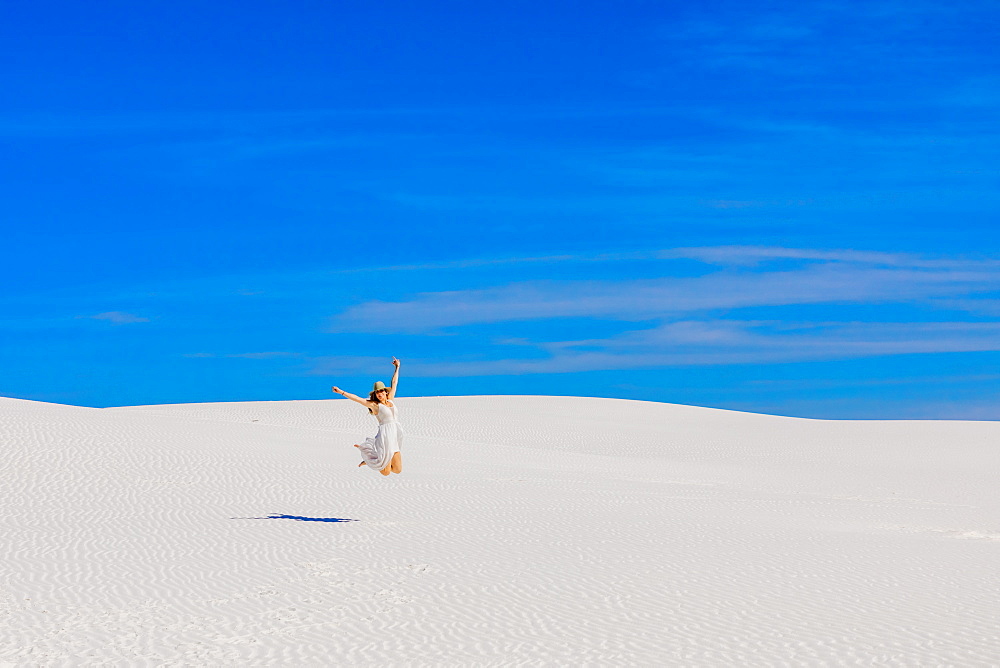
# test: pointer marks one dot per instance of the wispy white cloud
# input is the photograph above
(131, 123)
(754, 204)
(797, 40)
(118, 317)
(820, 277)
(792, 340)
(692, 319)
(800, 384)
(263, 356)
(346, 365)
(707, 343)
(750, 255)
(249, 356)
(716, 255)
(986, 406)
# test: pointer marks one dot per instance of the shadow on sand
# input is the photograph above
(298, 518)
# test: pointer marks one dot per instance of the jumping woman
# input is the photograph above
(382, 451)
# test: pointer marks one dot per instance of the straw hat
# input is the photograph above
(376, 388)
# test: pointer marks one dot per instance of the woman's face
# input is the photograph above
(382, 395)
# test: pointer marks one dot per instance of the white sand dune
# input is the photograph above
(523, 530)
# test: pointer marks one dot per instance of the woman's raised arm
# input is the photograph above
(353, 397)
(395, 379)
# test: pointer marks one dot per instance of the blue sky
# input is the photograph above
(768, 206)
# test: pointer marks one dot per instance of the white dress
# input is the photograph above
(378, 451)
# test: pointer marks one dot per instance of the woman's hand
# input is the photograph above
(395, 362)
(337, 390)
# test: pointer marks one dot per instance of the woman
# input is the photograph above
(381, 452)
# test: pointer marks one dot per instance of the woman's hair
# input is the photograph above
(373, 396)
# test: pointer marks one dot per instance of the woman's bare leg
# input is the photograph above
(397, 463)
(363, 462)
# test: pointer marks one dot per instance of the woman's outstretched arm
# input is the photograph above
(395, 379)
(353, 397)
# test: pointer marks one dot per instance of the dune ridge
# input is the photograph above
(523, 530)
